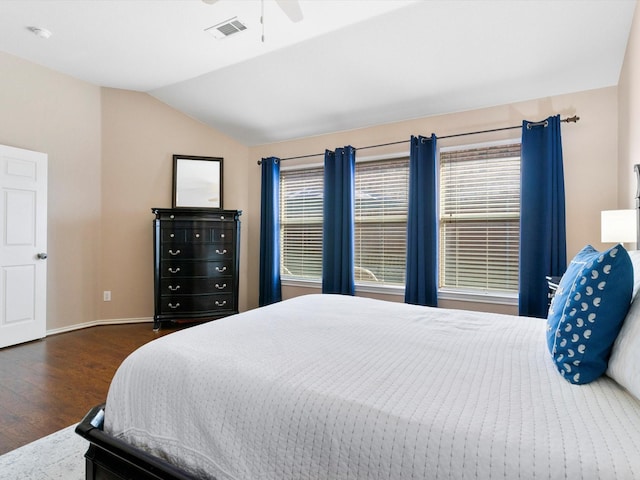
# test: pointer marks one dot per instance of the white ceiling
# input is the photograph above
(347, 64)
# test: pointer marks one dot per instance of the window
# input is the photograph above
(380, 221)
(480, 217)
(301, 223)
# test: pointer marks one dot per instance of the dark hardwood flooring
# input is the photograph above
(52, 383)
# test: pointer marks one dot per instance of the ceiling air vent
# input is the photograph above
(226, 28)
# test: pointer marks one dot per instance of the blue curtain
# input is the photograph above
(338, 222)
(421, 287)
(543, 249)
(270, 288)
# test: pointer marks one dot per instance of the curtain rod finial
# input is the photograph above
(573, 119)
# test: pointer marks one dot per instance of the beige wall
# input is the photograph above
(52, 113)
(110, 160)
(589, 147)
(139, 136)
(629, 119)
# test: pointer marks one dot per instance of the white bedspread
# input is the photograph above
(332, 387)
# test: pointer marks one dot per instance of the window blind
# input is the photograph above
(480, 218)
(301, 223)
(381, 221)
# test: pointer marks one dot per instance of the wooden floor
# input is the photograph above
(50, 384)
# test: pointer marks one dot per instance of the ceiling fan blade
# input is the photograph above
(291, 8)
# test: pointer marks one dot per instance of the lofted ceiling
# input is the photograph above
(347, 64)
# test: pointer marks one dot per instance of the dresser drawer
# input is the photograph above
(205, 234)
(178, 268)
(196, 285)
(188, 217)
(195, 251)
(215, 303)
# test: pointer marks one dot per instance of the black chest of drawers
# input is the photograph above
(196, 262)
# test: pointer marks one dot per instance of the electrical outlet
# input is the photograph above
(106, 295)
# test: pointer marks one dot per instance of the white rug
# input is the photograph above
(59, 456)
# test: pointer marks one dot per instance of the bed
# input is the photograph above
(339, 387)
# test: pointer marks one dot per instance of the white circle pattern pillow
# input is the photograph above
(582, 330)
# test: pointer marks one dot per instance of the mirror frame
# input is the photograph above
(197, 182)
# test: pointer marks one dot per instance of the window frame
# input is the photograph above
(364, 287)
(501, 297)
(292, 279)
(444, 293)
(384, 287)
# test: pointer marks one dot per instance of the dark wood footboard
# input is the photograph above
(109, 458)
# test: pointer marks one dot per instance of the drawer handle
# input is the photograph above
(221, 287)
(171, 305)
(173, 289)
(172, 235)
(174, 270)
(220, 304)
(172, 217)
(197, 235)
(171, 252)
(220, 252)
(219, 269)
(221, 217)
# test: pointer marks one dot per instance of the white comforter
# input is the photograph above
(335, 387)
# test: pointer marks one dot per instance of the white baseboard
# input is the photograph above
(111, 321)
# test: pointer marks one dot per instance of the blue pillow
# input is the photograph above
(561, 296)
(593, 299)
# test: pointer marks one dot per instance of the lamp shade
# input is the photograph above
(618, 226)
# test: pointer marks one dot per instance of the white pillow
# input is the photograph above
(624, 363)
(635, 261)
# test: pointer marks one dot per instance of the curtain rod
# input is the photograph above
(573, 119)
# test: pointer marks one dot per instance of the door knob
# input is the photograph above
(42, 256)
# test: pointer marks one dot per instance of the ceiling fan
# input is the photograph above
(291, 8)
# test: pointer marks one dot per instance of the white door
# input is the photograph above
(23, 245)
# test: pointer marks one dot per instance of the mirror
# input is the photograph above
(197, 181)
